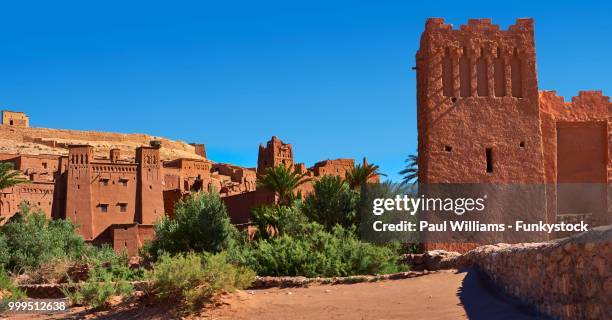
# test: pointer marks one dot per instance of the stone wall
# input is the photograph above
(566, 279)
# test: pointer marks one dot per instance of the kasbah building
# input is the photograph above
(115, 193)
(482, 120)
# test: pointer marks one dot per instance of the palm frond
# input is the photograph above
(361, 174)
(411, 172)
(282, 181)
(9, 177)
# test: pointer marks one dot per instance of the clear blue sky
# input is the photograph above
(331, 77)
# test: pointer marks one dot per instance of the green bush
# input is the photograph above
(116, 263)
(109, 276)
(30, 239)
(277, 220)
(101, 285)
(194, 279)
(316, 252)
(332, 202)
(53, 271)
(5, 253)
(201, 224)
(221, 276)
(8, 289)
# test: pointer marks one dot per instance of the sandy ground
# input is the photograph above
(444, 295)
(428, 297)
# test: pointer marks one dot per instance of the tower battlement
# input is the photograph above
(477, 25)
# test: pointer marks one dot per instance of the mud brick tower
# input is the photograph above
(150, 202)
(478, 111)
(482, 120)
(275, 153)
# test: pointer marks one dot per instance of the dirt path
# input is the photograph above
(443, 295)
(429, 297)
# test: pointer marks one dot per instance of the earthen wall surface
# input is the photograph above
(481, 120)
(487, 104)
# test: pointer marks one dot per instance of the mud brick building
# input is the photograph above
(114, 192)
(276, 153)
(13, 119)
(482, 120)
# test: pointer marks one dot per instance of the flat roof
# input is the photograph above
(4, 110)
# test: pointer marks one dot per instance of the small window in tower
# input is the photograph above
(123, 182)
(44, 165)
(122, 207)
(104, 182)
(522, 144)
(448, 148)
(11, 122)
(489, 154)
(103, 207)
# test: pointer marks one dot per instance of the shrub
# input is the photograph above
(31, 239)
(194, 279)
(316, 252)
(201, 223)
(8, 290)
(223, 276)
(117, 264)
(171, 276)
(101, 285)
(332, 202)
(5, 253)
(52, 271)
(277, 220)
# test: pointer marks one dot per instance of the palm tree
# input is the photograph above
(282, 181)
(361, 174)
(332, 202)
(8, 176)
(411, 171)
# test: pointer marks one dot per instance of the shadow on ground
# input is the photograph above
(130, 310)
(482, 300)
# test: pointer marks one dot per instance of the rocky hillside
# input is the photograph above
(56, 141)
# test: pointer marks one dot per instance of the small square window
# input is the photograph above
(123, 207)
(104, 182)
(103, 208)
(123, 182)
(448, 148)
(44, 165)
